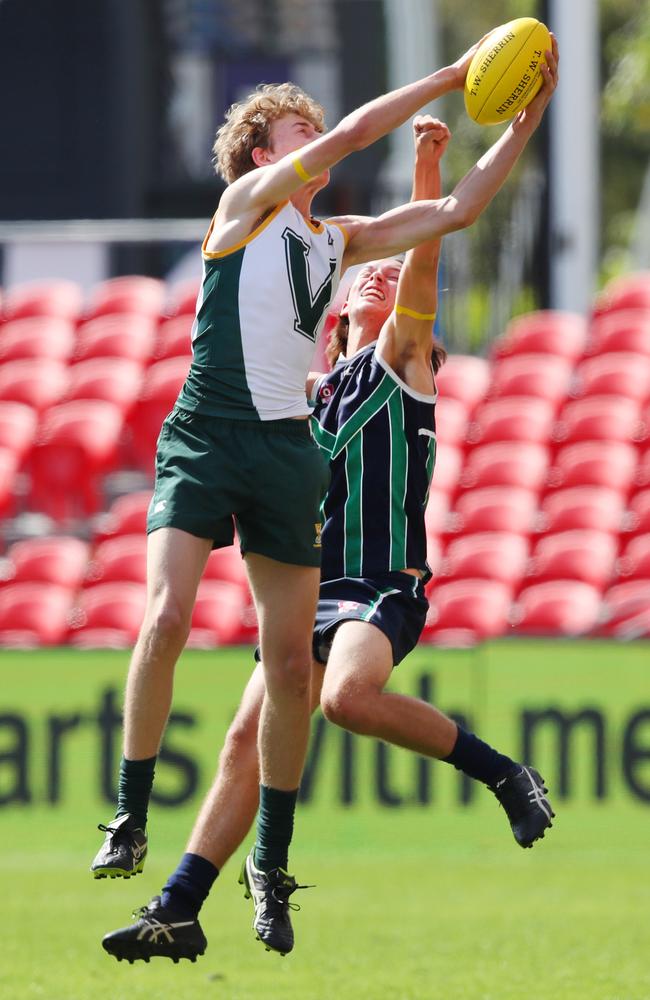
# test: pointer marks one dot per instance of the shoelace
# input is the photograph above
(119, 835)
(286, 891)
(142, 911)
(111, 829)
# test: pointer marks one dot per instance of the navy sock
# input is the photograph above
(188, 888)
(274, 828)
(134, 789)
(478, 759)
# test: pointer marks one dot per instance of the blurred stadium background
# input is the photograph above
(538, 523)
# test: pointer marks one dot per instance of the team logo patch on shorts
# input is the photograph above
(318, 529)
(345, 606)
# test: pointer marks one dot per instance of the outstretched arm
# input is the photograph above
(406, 337)
(407, 226)
(265, 187)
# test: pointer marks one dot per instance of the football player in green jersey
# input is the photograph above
(230, 807)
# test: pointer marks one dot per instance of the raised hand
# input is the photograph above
(431, 137)
(533, 112)
(461, 65)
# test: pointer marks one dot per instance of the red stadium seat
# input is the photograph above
(434, 554)
(59, 298)
(599, 418)
(494, 508)
(122, 336)
(581, 507)
(226, 565)
(594, 463)
(625, 611)
(512, 418)
(120, 558)
(132, 294)
(126, 516)
(161, 385)
(644, 428)
(637, 518)
(8, 469)
(625, 330)
(115, 380)
(39, 337)
(629, 292)
(182, 298)
(642, 474)
(34, 614)
(541, 375)
(634, 563)
(562, 334)
(574, 555)
(18, 424)
(100, 638)
(465, 378)
(118, 607)
(218, 616)
(77, 446)
(557, 607)
(436, 512)
(451, 421)
(38, 382)
(174, 339)
(506, 463)
(446, 473)
(58, 560)
(617, 374)
(477, 607)
(495, 555)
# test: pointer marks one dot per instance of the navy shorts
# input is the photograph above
(394, 602)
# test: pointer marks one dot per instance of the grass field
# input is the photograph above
(411, 903)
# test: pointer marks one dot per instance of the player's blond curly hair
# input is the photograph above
(248, 124)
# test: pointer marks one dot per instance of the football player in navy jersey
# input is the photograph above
(270, 270)
(374, 417)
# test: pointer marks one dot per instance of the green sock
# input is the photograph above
(134, 789)
(274, 828)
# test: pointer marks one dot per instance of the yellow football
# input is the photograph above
(504, 75)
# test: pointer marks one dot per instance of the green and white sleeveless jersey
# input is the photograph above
(259, 313)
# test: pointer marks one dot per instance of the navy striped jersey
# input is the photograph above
(380, 438)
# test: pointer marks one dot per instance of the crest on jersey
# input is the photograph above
(325, 392)
(345, 606)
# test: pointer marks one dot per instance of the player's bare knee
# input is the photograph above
(241, 738)
(345, 708)
(289, 674)
(167, 622)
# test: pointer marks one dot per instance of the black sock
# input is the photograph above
(274, 828)
(136, 782)
(187, 889)
(478, 759)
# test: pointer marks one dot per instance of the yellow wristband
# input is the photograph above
(300, 170)
(403, 311)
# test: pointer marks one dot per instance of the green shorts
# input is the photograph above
(268, 476)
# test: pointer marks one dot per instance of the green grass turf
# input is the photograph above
(411, 903)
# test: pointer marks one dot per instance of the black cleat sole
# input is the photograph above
(116, 873)
(134, 953)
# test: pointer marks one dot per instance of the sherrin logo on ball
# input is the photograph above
(504, 75)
